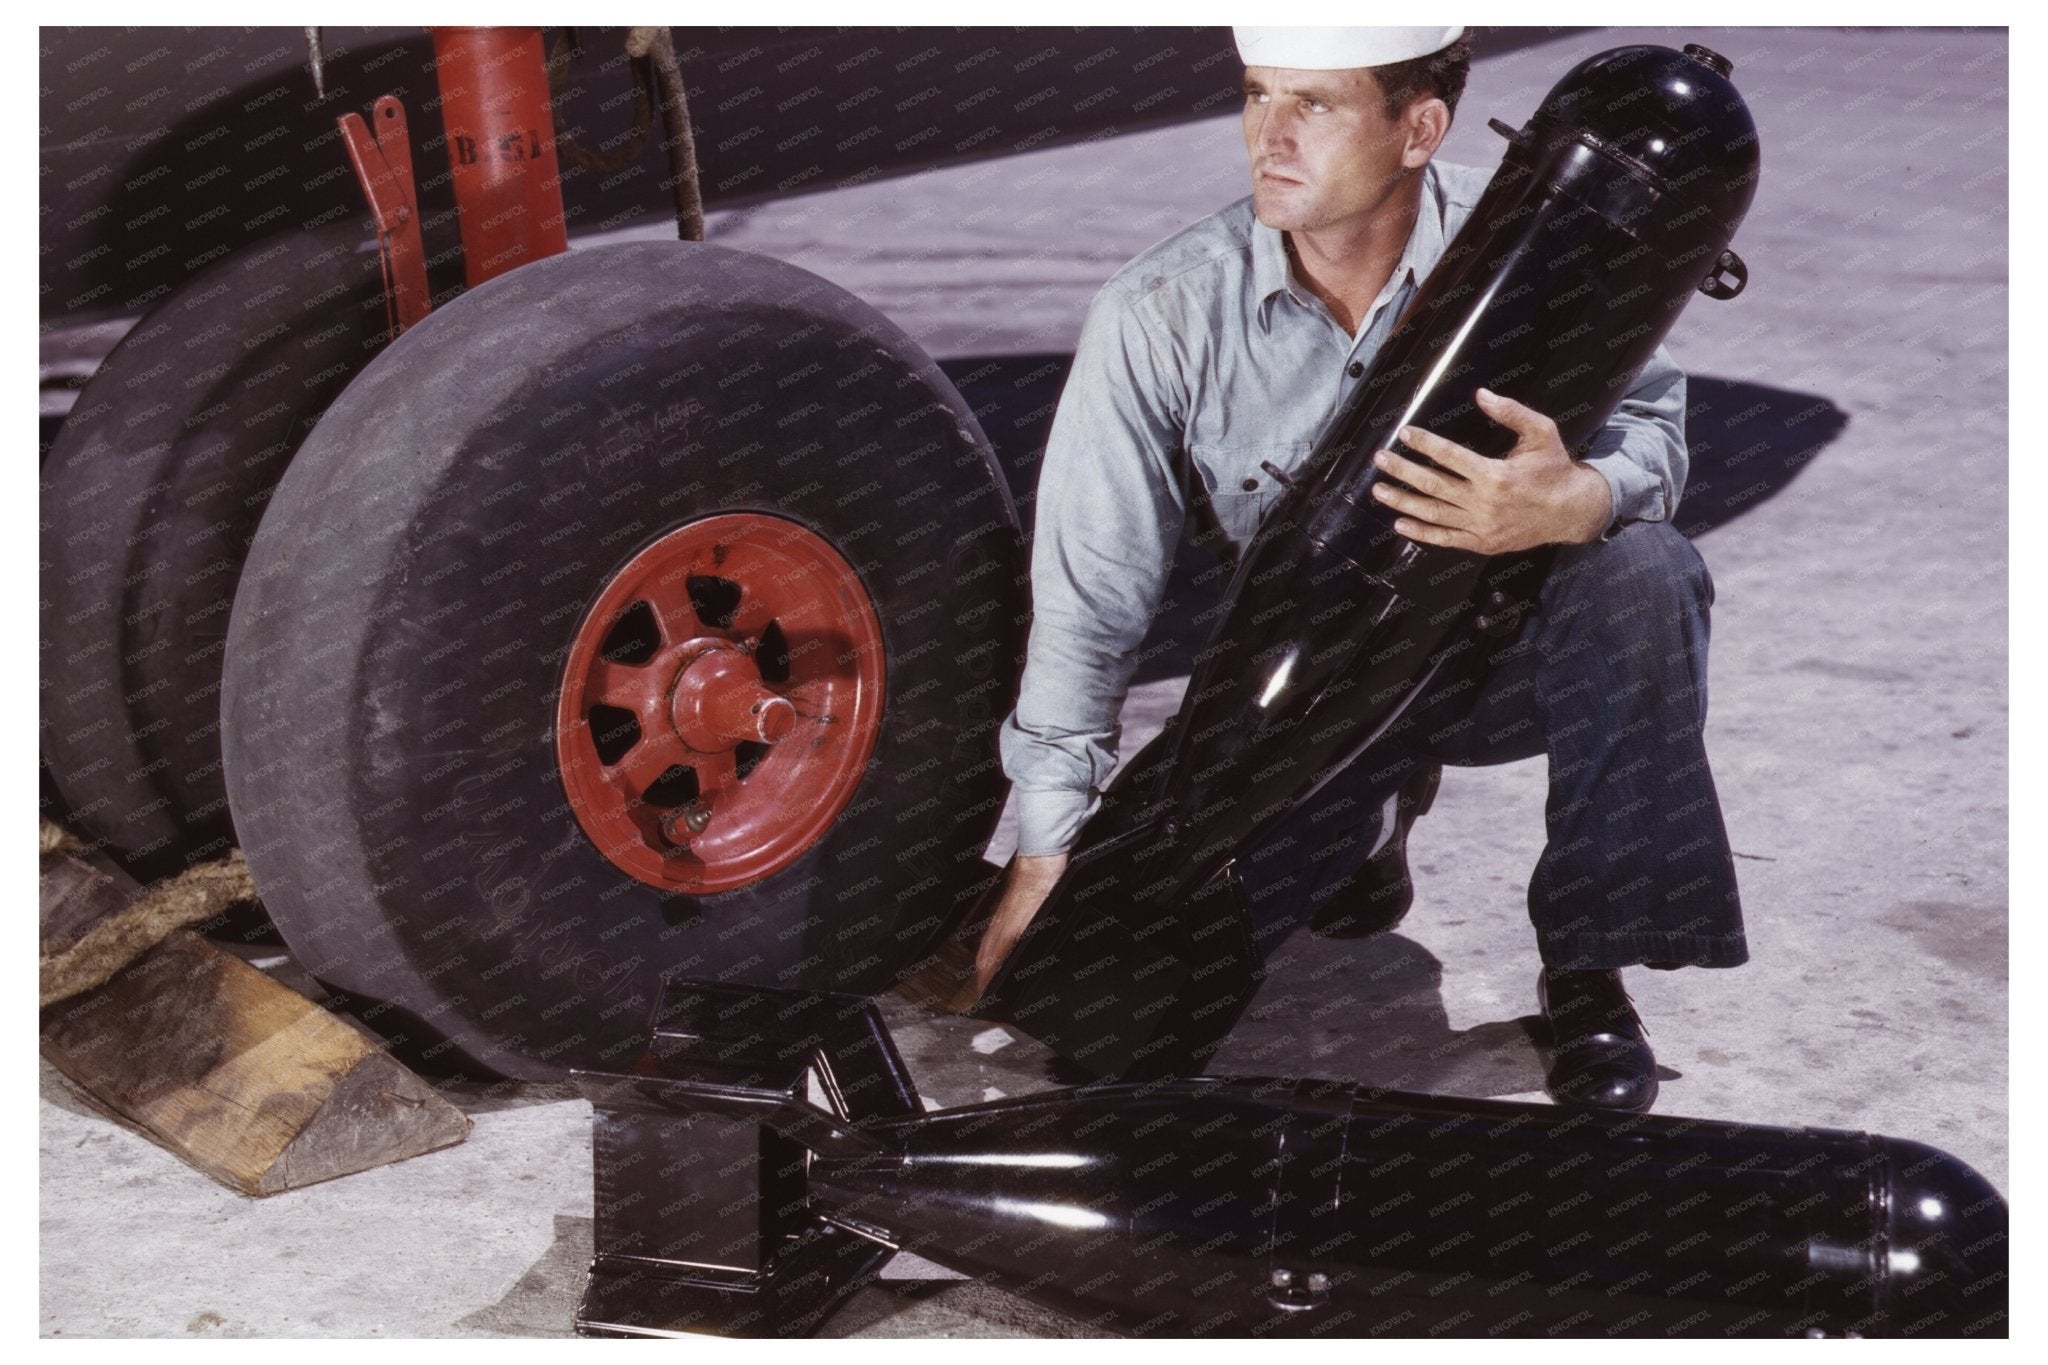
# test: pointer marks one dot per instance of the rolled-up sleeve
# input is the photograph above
(1108, 513)
(1641, 451)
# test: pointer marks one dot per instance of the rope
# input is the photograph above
(194, 896)
(653, 54)
(680, 140)
(57, 839)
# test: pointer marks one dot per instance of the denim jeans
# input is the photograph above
(1608, 678)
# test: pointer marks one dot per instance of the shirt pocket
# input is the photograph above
(1240, 489)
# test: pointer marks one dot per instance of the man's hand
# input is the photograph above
(1031, 881)
(1537, 494)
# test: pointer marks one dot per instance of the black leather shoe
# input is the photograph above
(1380, 892)
(1599, 1055)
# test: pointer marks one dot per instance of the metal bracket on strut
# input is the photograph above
(383, 162)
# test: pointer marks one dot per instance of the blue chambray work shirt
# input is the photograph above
(1207, 344)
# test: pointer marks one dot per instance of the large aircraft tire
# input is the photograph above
(150, 496)
(649, 612)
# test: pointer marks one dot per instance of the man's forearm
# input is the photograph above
(1108, 514)
(1030, 882)
(1586, 508)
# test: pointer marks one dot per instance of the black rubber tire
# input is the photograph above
(150, 497)
(394, 658)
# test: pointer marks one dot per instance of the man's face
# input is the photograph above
(1324, 154)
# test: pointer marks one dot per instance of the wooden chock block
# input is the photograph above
(252, 1083)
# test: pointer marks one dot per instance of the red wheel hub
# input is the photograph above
(720, 703)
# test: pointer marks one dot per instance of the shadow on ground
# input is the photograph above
(1372, 1011)
(542, 1302)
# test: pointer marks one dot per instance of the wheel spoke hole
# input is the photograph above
(634, 637)
(772, 657)
(677, 786)
(614, 731)
(747, 755)
(715, 600)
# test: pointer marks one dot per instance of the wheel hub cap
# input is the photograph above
(720, 702)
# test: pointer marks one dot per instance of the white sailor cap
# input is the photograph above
(1336, 48)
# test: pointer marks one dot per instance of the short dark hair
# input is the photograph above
(1440, 73)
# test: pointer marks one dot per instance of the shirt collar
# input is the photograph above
(1273, 274)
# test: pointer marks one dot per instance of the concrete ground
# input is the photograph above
(1858, 733)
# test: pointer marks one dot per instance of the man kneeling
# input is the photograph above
(1218, 356)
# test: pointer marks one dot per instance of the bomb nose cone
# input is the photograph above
(1946, 1256)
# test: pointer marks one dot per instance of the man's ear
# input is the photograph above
(1425, 124)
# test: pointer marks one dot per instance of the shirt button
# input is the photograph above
(1355, 369)
(1251, 485)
